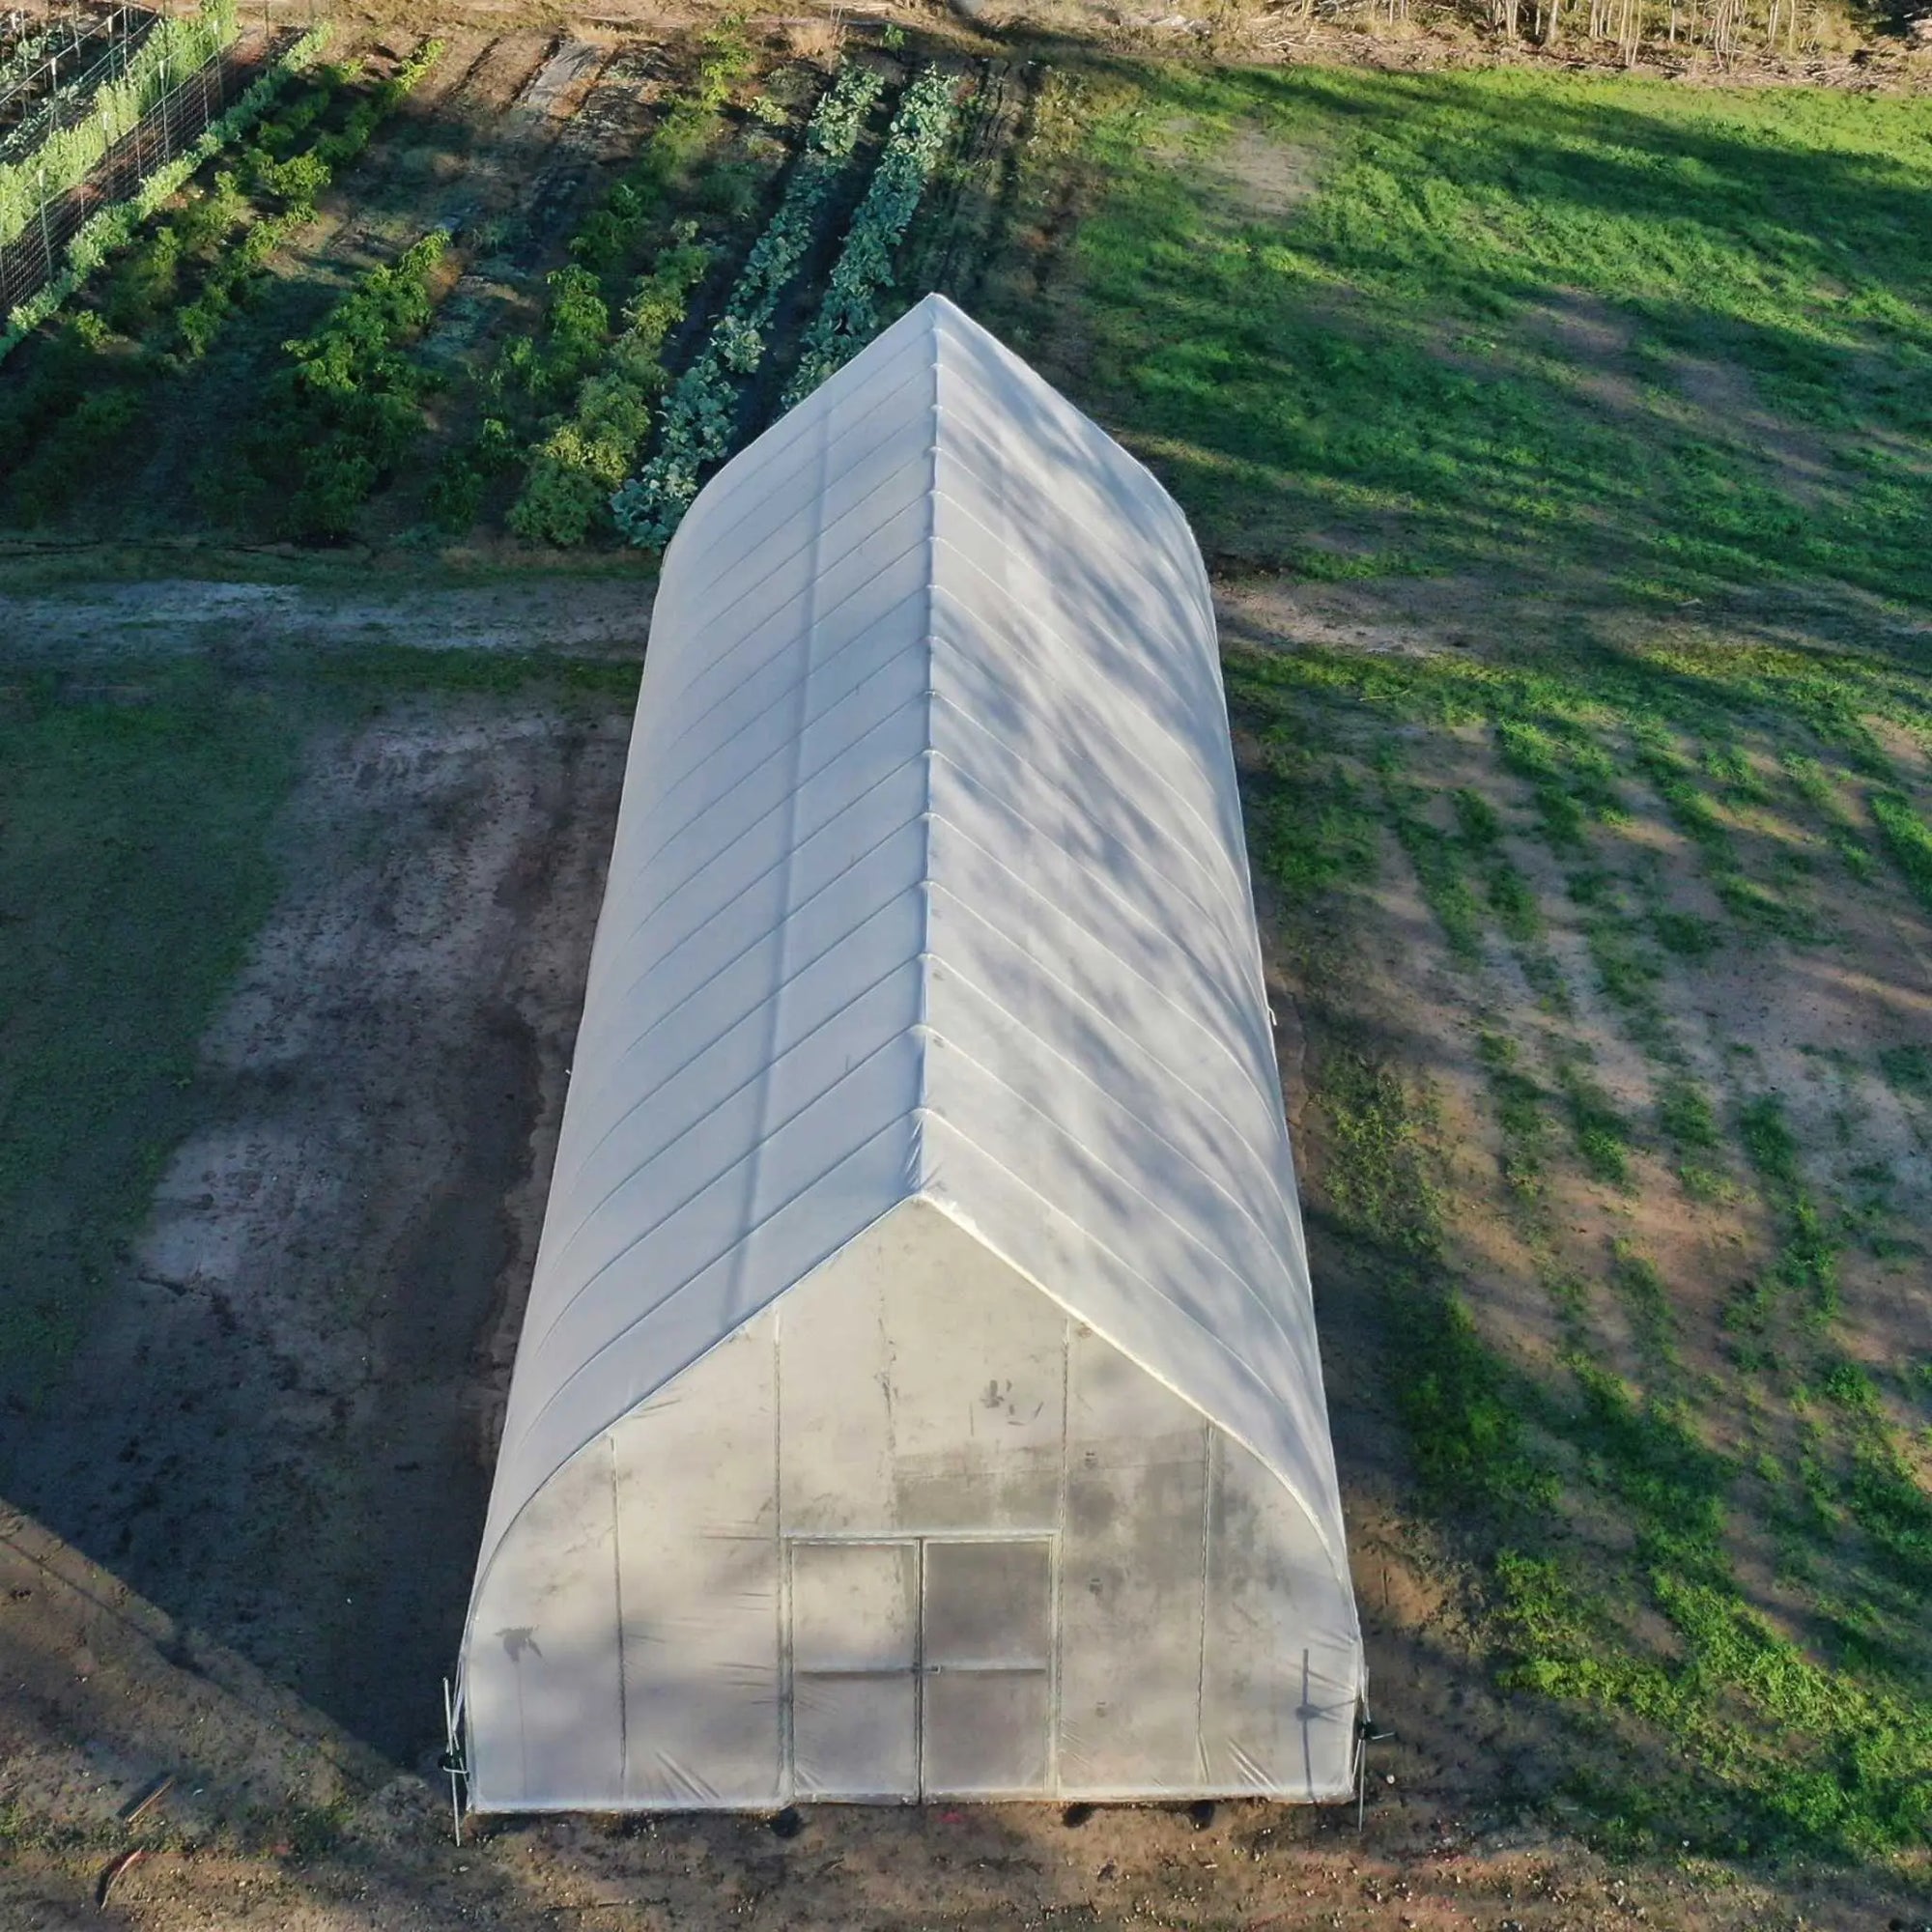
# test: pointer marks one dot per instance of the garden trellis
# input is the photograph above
(149, 94)
(113, 223)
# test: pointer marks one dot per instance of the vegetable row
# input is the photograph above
(295, 182)
(608, 375)
(850, 316)
(700, 416)
(86, 391)
(339, 415)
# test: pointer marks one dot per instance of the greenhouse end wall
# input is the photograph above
(914, 1532)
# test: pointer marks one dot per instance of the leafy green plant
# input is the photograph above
(575, 327)
(575, 469)
(340, 415)
(699, 418)
(850, 314)
(1908, 840)
(608, 242)
(233, 281)
(457, 489)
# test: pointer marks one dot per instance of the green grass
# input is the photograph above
(370, 673)
(1599, 1516)
(1814, 784)
(1520, 1114)
(1461, 342)
(1309, 825)
(1647, 1298)
(1465, 1429)
(1689, 1124)
(134, 868)
(1438, 857)
(1421, 349)
(1768, 1751)
(1806, 1263)
(1907, 1069)
(1601, 1134)
(1684, 934)
(1908, 841)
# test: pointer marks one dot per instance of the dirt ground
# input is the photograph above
(234, 1548)
(74, 616)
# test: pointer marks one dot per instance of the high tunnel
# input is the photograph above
(919, 1394)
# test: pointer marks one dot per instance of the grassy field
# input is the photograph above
(1671, 339)
(1621, 393)
(1562, 449)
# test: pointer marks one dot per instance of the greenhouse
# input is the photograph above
(919, 1394)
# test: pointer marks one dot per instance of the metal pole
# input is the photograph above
(139, 156)
(46, 247)
(452, 1758)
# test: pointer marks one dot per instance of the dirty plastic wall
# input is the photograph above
(915, 1532)
(928, 892)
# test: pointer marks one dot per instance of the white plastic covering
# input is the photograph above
(919, 1392)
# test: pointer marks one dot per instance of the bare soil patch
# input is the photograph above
(274, 1436)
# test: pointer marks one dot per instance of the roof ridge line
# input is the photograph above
(922, 1027)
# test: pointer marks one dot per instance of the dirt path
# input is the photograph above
(578, 616)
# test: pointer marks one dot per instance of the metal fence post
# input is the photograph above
(46, 245)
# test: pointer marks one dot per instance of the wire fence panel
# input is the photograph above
(78, 57)
(174, 122)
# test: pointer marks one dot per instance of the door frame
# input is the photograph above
(917, 1540)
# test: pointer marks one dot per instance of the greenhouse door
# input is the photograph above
(921, 1669)
(987, 1631)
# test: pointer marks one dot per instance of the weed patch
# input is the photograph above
(1601, 1132)
(1908, 841)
